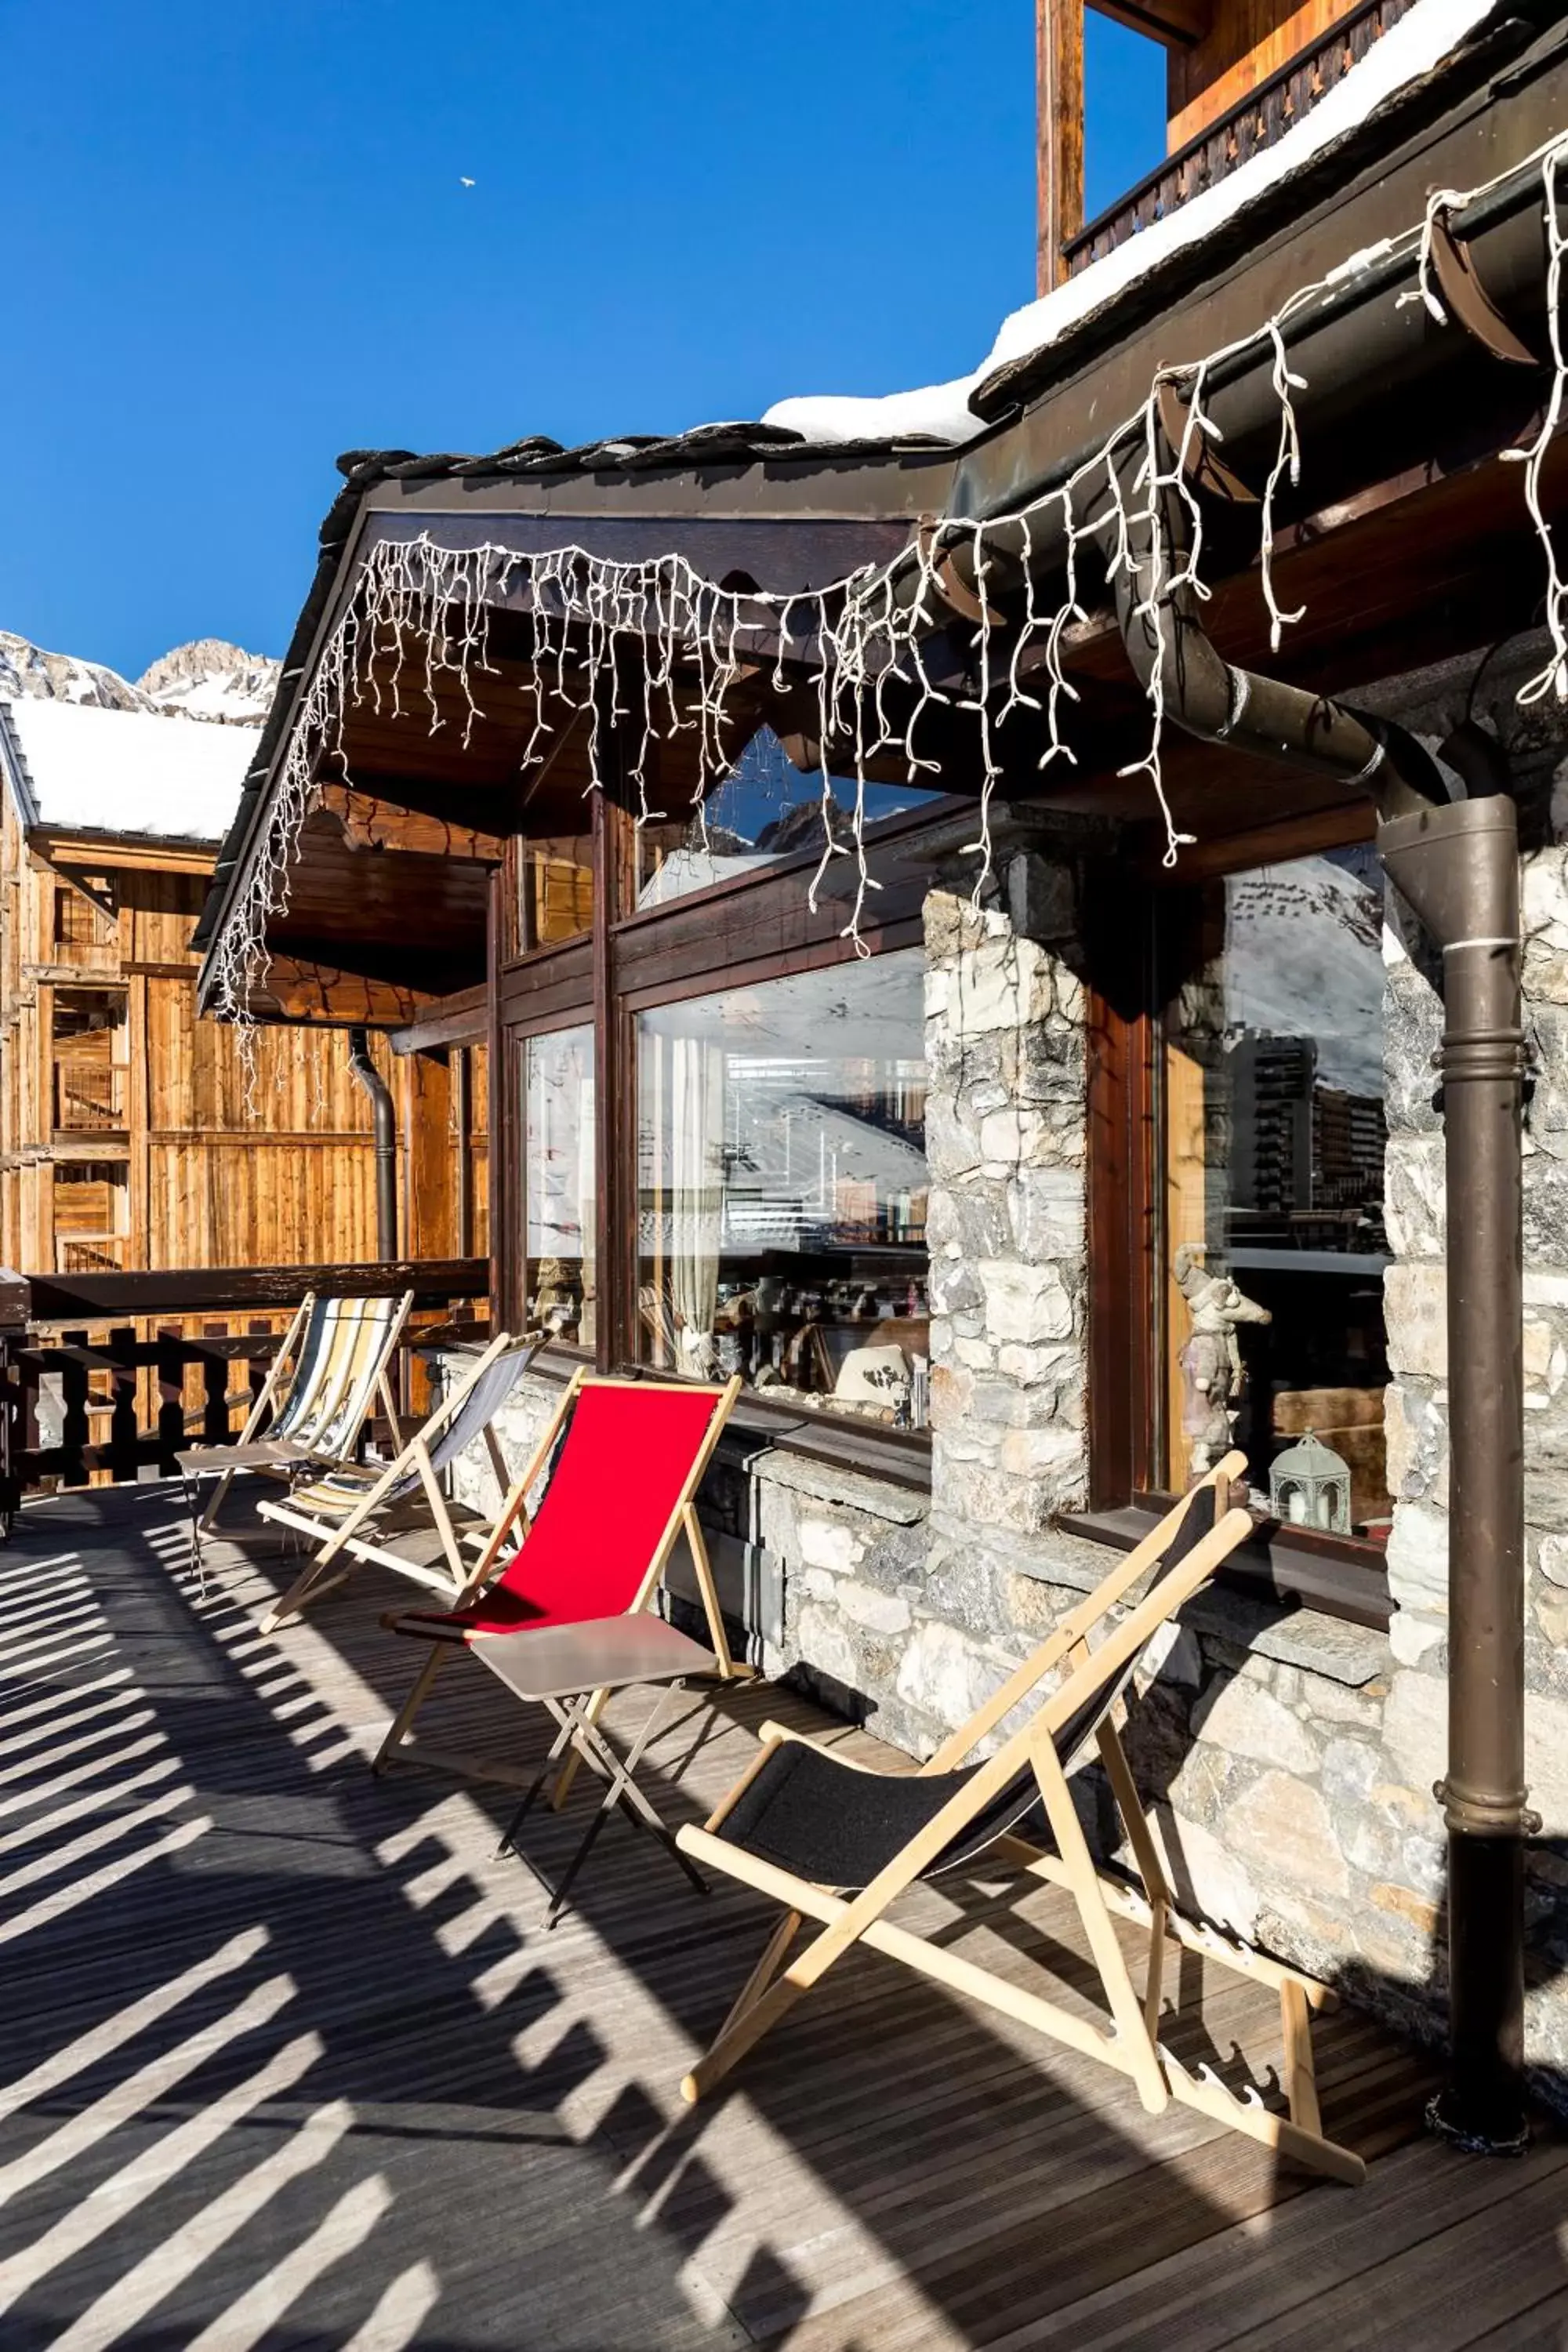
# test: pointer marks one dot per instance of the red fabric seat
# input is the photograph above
(626, 1457)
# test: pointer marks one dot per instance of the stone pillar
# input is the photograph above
(1005, 1141)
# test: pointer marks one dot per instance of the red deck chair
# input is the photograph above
(621, 1492)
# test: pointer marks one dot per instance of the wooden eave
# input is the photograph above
(120, 851)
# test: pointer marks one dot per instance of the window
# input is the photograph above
(1273, 1129)
(767, 809)
(781, 1187)
(559, 1188)
(91, 1214)
(554, 890)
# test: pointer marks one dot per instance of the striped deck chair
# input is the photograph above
(399, 1517)
(337, 1356)
(834, 1843)
(628, 1457)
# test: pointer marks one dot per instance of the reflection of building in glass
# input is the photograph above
(812, 1161)
(1349, 1134)
(1302, 1154)
(1271, 1123)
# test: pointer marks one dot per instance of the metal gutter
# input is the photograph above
(385, 1122)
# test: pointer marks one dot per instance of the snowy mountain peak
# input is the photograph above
(207, 679)
(210, 678)
(25, 669)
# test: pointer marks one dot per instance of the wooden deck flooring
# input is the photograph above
(288, 2062)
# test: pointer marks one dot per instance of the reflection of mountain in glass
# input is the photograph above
(766, 809)
(1303, 956)
(874, 1010)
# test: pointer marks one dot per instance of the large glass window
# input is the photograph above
(766, 809)
(781, 1189)
(559, 1189)
(1273, 1237)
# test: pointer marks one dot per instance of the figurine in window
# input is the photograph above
(1212, 1373)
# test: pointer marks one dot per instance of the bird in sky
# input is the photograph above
(466, 183)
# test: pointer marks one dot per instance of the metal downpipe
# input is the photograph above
(386, 1119)
(1457, 863)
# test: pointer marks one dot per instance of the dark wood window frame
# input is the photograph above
(1127, 1391)
(737, 933)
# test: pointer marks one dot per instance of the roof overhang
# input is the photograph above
(1403, 454)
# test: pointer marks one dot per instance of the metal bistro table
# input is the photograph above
(562, 1667)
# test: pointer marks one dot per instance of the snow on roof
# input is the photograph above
(1410, 50)
(90, 770)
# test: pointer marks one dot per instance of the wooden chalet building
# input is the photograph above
(132, 1135)
(1064, 1096)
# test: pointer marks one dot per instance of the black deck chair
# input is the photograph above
(834, 1842)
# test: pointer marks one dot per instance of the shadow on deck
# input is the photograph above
(289, 2062)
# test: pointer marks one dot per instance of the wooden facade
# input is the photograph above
(132, 1134)
(1238, 74)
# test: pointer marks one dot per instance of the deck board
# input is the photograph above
(290, 2061)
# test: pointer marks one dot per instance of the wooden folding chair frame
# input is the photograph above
(1132, 2046)
(682, 1519)
(266, 1400)
(327, 1570)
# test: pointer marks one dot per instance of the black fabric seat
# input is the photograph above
(809, 1812)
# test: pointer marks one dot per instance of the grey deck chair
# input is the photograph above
(839, 1844)
(400, 1520)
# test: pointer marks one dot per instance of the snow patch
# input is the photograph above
(89, 769)
(1424, 36)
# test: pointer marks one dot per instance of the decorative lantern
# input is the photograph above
(1310, 1486)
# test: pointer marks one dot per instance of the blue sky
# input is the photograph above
(237, 242)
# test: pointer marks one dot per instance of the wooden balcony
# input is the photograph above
(106, 1376)
(89, 1098)
(1259, 121)
(289, 2061)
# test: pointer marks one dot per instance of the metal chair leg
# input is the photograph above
(618, 1774)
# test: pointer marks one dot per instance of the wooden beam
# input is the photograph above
(298, 988)
(1177, 23)
(459, 1020)
(185, 1290)
(372, 822)
(95, 851)
(1059, 97)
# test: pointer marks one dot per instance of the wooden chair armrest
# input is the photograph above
(772, 1734)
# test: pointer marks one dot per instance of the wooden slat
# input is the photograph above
(185, 1290)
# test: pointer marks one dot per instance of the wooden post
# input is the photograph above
(75, 1428)
(508, 1280)
(1059, 97)
(171, 1382)
(612, 1040)
(124, 1436)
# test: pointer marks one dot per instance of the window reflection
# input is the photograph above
(781, 1189)
(554, 889)
(559, 1184)
(1275, 1136)
(765, 809)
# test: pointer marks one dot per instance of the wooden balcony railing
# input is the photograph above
(109, 1376)
(90, 1097)
(1259, 121)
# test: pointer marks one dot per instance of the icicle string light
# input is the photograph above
(1554, 678)
(595, 621)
